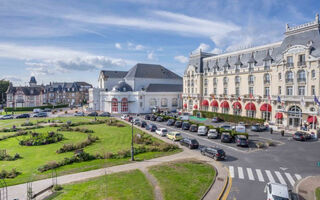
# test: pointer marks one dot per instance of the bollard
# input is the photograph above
(271, 130)
(282, 133)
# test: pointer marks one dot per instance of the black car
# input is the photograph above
(153, 118)
(190, 143)
(147, 117)
(159, 119)
(193, 128)
(170, 122)
(23, 116)
(226, 137)
(185, 126)
(215, 153)
(178, 124)
(41, 114)
(217, 120)
(143, 124)
(93, 114)
(301, 136)
(151, 127)
(241, 140)
(105, 114)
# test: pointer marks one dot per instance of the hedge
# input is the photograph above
(31, 108)
(229, 118)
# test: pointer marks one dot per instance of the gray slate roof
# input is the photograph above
(114, 74)
(141, 70)
(164, 88)
(35, 90)
(122, 87)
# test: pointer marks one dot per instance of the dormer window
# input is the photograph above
(267, 64)
(289, 61)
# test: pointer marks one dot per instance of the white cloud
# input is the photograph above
(203, 47)
(150, 55)
(14, 79)
(181, 59)
(118, 45)
(139, 47)
(135, 47)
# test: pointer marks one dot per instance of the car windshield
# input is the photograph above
(194, 142)
(164, 131)
(178, 134)
(220, 151)
(279, 198)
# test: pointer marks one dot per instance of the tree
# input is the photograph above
(4, 84)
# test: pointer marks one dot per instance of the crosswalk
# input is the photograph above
(263, 175)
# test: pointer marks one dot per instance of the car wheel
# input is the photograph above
(202, 153)
(215, 158)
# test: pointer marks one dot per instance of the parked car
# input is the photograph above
(190, 143)
(185, 125)
(93, 114)
(147, 117)
(217, 120)
(170, 122)
(37, 110)
(129, 118)
(41, 114)
(277, 191)
(124, 117)
(193, 128)
(143, 124)
(162, 131)
(178, 124)
(239, 128)
(153, 118)
(226, 137)
(213, 152)
(258, 128)
(213, 134)
(241, 140)
(105, 114)
(136, 121)
(226, 127)
(47, 110)
(79, 114)
(175, 136)
(301, 136)
(202, 130)
(151, 127)
(22, 116)
(159, 119)
(6, 117)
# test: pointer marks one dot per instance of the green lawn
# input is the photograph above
(125, 185)
(15, 112)
(112, 139)
(185, 180)
(318, 193)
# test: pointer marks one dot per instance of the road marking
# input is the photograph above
(289, 177)
(260, 177)
(270, 177)
(231, 170)
(250, 174)
(280, 178)
(240, 172)
(298, 176)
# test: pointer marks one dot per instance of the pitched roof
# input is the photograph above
(34, 90)
(114, 74)
(81, 83)
(164, 88)
(141, 70)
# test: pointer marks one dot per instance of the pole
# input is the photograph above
(132, 150)
(313, 117)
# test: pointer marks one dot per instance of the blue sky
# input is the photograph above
(72, 40)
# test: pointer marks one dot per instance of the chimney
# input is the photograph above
(317, 18)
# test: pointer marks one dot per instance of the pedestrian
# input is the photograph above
(271, 130)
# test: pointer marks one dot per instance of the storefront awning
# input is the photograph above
(185, 105)
(279, 115)
(266, 107)
(224, 104)
(312, 119)
(214, 103)
(205, 103)
(250, 106)
(237, 105)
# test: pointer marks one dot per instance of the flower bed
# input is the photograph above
(19, 133)
(37, 139)
(82, 130)
(71, 147)
(5, 174)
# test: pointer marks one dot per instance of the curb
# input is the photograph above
(225, 186)
(212, 183)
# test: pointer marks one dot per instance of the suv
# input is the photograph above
(213, 134)
(301, 136)
(190, 143)
(170, 122)
(215, 153)
(241, 140)
(202, 130)
(23, 116)
(151, 127)
(226, 137)
(147, 117)
(193, 128)
(178, 124)
(162, 131)
(277, 191)
(185, 125)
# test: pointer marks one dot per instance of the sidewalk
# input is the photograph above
(305, 189)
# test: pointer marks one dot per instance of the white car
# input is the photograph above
(276, 191)
(162, 132)
(124, 117)
(202, 130)
(239, 128)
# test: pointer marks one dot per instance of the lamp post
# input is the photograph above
(132, 150)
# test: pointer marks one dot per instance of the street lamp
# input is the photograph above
(132, 150)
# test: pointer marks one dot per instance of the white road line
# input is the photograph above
(270, 177)
(240, 173)
(231, 170)
(289, 177)
(298, 176)
(250, 174)
(280, 178)
(260, 177)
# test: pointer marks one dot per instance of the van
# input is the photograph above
(240, 129)
(184, 117)
(277, 191)
(202, 130)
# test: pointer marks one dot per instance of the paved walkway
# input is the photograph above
(306, 187)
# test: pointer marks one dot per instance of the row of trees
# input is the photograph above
(4, 84)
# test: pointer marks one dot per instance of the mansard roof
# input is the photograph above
(27, 90)
(268, 57)
(114, 74)
(238, 61)
(251, 59)
(164, 88)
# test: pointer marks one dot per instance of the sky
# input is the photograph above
(73, 40)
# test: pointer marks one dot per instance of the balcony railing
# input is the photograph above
(250, 69)
(225, 82)
(266, 81)
(250, 82)
(237, 70)
(237, 82)
(302, 63)
(289, 65)
(289, 80)
(301, 80)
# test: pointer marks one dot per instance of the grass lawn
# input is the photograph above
(112, 139)
(185, 180)
(15, 112)
(124, 185)
(318, 193)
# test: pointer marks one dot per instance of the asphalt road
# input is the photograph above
(252, 169)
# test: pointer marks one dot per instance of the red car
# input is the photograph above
(129, 119)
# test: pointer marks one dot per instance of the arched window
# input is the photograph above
(153, 102)
(114, 104)
(124, 105)
(164, 102)
(313, 73)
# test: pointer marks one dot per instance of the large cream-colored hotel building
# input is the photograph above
(276, 82)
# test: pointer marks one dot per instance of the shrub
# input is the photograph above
(7, 157)
(71, 147)
(37, 139)
(31, 108)
(270, 144)
(5, 174)
(19, 133)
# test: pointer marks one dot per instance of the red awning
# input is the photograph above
(250, 106)
(205, 103)
(185, 105)
(195, 106)
(279, 115)
(237, 105)
(224, 104)
(266, 107)
(312, 119)
(214, 103)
